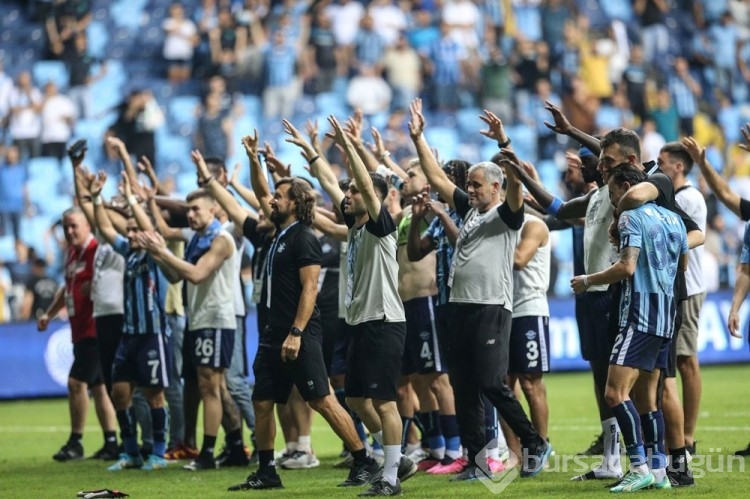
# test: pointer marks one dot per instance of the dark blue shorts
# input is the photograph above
(212, 347)
(422, 353)
(640, 350)
(529, 345)
(337, 367)
(592, 315)
(144, 359)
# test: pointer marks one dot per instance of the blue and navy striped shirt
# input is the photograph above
(648, 302)
(145, 289)
(443, 253)
(280, 64)
(370, 47)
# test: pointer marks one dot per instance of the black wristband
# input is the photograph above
(313, 159)
(503, 145)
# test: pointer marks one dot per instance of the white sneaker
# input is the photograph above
(418, 455)
(503, 453)
(301, 460)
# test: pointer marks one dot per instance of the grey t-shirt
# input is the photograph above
(372, 271)
(482, 269)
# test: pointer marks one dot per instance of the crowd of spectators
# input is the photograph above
(665, 68)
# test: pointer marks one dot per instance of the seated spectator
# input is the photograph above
(25, 122)
(13, 194)
(179, 44)
(369, 92)
(40, 291)
(58, 119)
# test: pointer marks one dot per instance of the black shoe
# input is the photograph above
(146, 450)
(258, 481)
(107, 453)
(615, 483)
(596, 448)
(681, 478)
(71, 451)
(202, 462)
(253, 459)
(406, 470)
(232, 456)
(383, 488)
(361, 475)
(743, 452)
(471, 473)
(691, 449)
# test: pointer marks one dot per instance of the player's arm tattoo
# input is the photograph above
(629, 256)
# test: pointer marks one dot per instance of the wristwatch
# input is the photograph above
(295, 331)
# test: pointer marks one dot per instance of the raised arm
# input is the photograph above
(718, 185)
(563, 127)
(533, 236)
(122, 152)
(140, 215)
(318, 166)
(330, 228)
(221, 249)
(169, 233)
(360, 172)
(418, 246)
(384, 154)
(103, 223)
(247, 194)
(437, 178)
(257, 178)
(236, 212)
(353, 128)
(144, 165)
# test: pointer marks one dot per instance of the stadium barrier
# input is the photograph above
(34, 364)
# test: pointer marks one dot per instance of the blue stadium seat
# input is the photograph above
(33, 230)
(98, 37)
(469, 123)
(55, 71)
(7, 248)
(182, 110)
(331, 103)
(444, 139)
(42, 193)
(252, 107)
(44, 169)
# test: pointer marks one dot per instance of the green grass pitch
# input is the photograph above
(31, 431)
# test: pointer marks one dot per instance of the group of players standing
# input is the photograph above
(444, 295)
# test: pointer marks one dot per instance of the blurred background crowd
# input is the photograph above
(170, 76)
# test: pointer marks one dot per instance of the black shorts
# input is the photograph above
(592, 315)
(108, 333)
(210, 348)
(640, 350)
(274, 377)
(145, 360)
(529, 345)
(373, 362)
(671, 370)
(337, 366)
(422, 354)
(442, 313)
(331, 326)
(87, 366)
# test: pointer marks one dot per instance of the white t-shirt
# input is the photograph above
(345, 21)
(55, 113)
(691, 201)
(388, 21)
(27, 123)
(179, 44)
(465, 14)
(107, 291)
(371, 94)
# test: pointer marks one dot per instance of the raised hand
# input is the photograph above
(127, 189)
(200, 165)
(338, 135)
(96, 182)
(274, 164)
(378, 148)
(513, 169)
(250, 142)
(746, 134)
(573, 160)
(417, 123)
(236, 173)
(561, 125)
(118, 145)
(144, 166)
(696, 152)
(496, 130)
(311, 127)
(353, 126)
(420, 204)
(296, 138)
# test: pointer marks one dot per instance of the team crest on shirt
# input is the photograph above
(530, 335)
(326, 248)
(152, 354)
(424, 335)
(281, 248)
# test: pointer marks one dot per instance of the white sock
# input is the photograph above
(304, 444)
(641, 468)
(438, 454)
(611, 461)
(291, 446)
(501, 442)
(494, 453)
(378, 436)
(660, 474)
(392, 460)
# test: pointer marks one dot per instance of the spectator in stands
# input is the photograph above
(6, 89)
(369, 45)
(403, 70)
(62, 28)
(634, 82)
(369, 92)
(422, 33)
(388, 19)
(80, 64)
(651, 141)
(685, 93)
(58, 119)
(345, 18)
(724, 37)
(497, 84)
(654, 33)
(447, 59)
(463, 18)
(554, 13)
(13, 195)
(138, 118)
(535, 114)
(320, 55)
(179, 44)
(282, 86)
(25, 118)
(5, 287)
(227, 41)
(215, 128)
(665, 116)
(40, 291)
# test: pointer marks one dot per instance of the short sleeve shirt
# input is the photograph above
(79, 275)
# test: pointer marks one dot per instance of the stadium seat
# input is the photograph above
(55, 71)
(182, 110)
(43, 194)
(444, 139)
(98, 37)
(7, 248)
(33, 230)
(44, 169)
